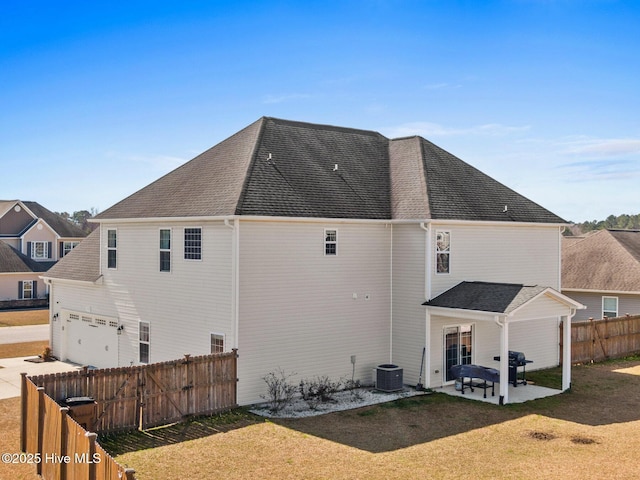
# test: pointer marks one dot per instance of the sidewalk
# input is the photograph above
(11, 368)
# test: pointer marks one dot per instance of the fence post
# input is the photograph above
(92, 450)
(23, 412)
(129, 474)
(40, 428)
(64, 411)
(592, 337)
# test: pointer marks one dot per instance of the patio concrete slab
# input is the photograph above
(13, 367)
(519, 394)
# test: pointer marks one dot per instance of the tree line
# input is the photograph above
(80, 218)
(612, 222)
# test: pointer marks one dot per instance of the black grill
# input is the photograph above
(516, 360)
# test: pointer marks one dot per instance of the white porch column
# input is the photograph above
(504, 361)
(566, 352)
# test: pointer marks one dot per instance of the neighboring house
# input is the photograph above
(602, 271)
(312, 249)
(32, 239)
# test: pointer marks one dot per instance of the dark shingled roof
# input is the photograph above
(278, 167)
(60, 225)
(12, 261)
(607, 260)
(486, 296)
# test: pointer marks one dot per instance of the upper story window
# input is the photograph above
(67, 247)
(165, 250)
(112, 244)
(609, 307)
(193, 244)
(443, 252)
(330, 242)
(40, 250)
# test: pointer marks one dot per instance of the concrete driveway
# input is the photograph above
(11, 368)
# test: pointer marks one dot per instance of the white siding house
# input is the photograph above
(316, 250)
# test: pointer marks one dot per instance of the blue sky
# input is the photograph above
(98, 99)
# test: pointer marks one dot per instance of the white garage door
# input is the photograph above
(92, 340)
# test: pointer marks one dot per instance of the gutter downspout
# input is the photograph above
(504, 358)
(391, 299)
(566, 350)
(426, 226)
(235, 276)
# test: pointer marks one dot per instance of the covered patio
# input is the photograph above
(520, 394)
(505, 304)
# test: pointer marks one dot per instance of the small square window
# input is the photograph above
(217, 343)
(193, 243)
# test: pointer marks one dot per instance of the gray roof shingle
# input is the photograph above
(608, 260)
(278, 167)
(82, 263)
(486, 296)
(12, 261)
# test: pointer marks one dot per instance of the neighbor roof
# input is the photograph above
(486, 296)
(283, 168)
(608, 260)
(12, 261)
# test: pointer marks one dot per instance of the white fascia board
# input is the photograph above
(491, 223)
(49, 280)
(463, 313)
(251, 218)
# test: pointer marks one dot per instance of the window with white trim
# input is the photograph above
(144, 339)
(67, 247)
(112, 245)
(27, 290)
(443, 251)
(39, 250)
(217, 343)
(609, 307)
(330, 242)
(165, 250)
(193, 244)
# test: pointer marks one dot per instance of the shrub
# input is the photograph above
(318, 390)
(280, 392)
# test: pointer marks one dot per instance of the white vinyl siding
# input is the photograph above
(507, 254)
(137, 292)
(309, 316)
(409, 315)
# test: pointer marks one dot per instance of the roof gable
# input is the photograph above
(61, 226)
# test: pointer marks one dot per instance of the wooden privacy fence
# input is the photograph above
(58, 446)
(150, 395)
(597, 340)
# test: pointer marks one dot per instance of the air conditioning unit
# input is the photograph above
(388, 378)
